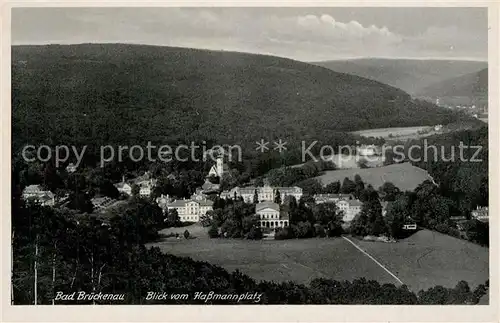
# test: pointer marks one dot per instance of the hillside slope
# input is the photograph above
(472, 85)
(115, 93)
(406, 74)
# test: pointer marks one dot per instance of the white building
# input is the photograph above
(332, 198)
(102, 203)
(351, 208)
(367, 150)
(146, 187)
(145, 182)
(265, 193)
(124, 188)
(270, 215)
(163, 202)
(191, 210)
(71, 168)
(35, 194)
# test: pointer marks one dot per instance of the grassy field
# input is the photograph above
(421, 261)
(282, 260)
(396, 132)
(404, 175)
(428, 258)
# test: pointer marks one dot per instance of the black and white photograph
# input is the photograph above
(249, 156)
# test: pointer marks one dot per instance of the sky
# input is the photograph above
(306, 34)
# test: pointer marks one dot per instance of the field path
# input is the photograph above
(375, 260)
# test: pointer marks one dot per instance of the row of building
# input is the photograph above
(264, 193)
(146, 184)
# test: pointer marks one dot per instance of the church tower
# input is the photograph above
(220, 166)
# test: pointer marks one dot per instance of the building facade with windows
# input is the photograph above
(351, 208)
(264, 193)
(191, 210)
(36, 194)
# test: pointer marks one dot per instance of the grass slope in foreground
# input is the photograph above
(421, 261)
(116, 93)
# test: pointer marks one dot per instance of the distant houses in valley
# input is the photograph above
(145, 183)
(271, 216)
(264, 194)
(36, 194)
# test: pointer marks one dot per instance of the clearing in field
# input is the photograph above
(405, 176)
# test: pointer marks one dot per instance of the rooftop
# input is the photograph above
(267, 204)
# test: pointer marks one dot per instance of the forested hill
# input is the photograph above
(116, 93)
(410, 75)
(473, 85)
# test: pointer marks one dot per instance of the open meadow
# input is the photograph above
(421, 261)
(428, 258)
(393, 132)
(405, 176)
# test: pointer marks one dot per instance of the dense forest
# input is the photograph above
(100, 94)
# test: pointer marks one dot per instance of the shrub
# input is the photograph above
(283, 233)
(255, 233)
(319, 231)
(213, 232)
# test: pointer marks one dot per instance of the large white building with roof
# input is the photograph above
(270, 215)
(264, 193)
(191, 210)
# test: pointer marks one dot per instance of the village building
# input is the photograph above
(270, 215)
(350, 208)
(102, 203)
(71, 168)
(146, 187)
(480, 214)
(209, 187)
(190, 210)
(123, 187)
(163, 201)
(36, 194)
(332, 198)
(367, 150)
(145, 182)
(264, 194)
